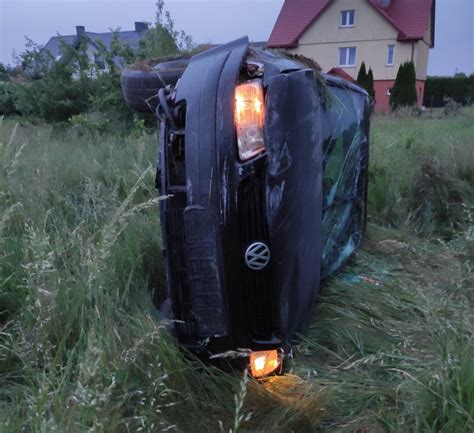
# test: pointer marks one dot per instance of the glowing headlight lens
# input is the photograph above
(264, 363)
(249, 117)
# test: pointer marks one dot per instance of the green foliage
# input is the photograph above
(366, 80)
(4, 73)
(163, 40)
(34, 61)
(460, 88)
(91, 122)
(8, 98)
(370, 83)
(362, 76)
(56, 97)
(75, 88)
(451, 107)
(404, 90)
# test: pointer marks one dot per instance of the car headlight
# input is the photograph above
(265, 363)
(249, 118)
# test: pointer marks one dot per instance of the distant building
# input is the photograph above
(341, 34)
(94, 41)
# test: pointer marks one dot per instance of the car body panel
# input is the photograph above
(294, 194)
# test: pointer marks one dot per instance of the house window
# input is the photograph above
(347, 56)
(390, 54)
(347, 18)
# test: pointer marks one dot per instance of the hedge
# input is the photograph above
(460, 88)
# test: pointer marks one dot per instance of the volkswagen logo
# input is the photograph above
(257, 256)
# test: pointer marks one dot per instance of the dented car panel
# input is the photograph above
(248, 242)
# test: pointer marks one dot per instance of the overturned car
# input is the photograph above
(264, 161)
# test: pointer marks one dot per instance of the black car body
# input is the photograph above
(250, 234)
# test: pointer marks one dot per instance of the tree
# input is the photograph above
(366, 80)
(362, 76)
(163, 40)
(370, 83)
(404, 90)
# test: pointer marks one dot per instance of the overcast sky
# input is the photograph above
(209, 21)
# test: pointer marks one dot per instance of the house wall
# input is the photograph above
(382, 96)
(422, 52)
(427, 37)
(371, 35)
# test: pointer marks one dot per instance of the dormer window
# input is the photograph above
(347, 18)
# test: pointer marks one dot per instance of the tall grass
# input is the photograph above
(422, 172)
(82, 347)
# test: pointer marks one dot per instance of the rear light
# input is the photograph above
(264, 363)
(249, 117)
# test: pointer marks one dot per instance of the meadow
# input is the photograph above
(83, 349)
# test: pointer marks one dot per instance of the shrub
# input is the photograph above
(404, 89)
(4, 72)
(8, 98)
(56, 97)
(451, 107)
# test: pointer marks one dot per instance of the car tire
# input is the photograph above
(140, 87)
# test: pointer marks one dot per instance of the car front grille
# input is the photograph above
(258, 298)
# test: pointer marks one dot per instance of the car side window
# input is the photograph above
(345, 164)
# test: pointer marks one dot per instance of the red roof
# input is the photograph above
(295, 17)
(409, 17)
(341, 73)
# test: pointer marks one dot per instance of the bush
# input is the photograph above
(4, 72)
(8, 98)
(404, 90)
(56, 97)
(451, 107)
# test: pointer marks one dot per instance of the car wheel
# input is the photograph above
(140, 87)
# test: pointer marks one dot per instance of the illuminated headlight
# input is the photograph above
(264, 363)
(249, 118)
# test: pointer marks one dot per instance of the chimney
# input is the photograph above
(80, 30)
(141, 26)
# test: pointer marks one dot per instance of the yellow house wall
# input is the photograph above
(371, 35)
(422, 52)
(427, 37)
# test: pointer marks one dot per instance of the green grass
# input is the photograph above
(422, 172)
(82, 348)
